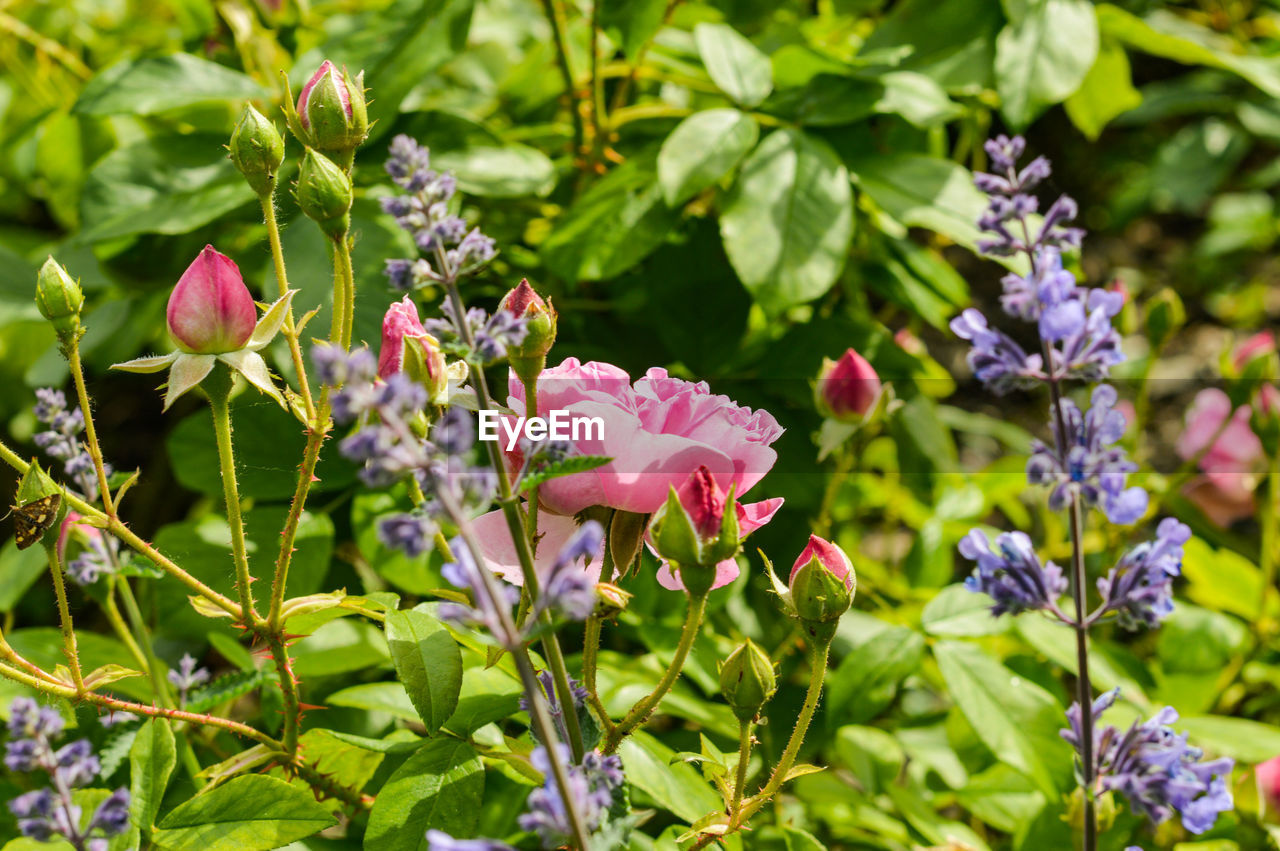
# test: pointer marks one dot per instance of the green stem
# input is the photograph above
(590, 664)
(289, 689)
(744, 757)
(282, 282)
(218, 386)
(1271, 525)
(531, 519)
(64, 617)
(642, 710)
(112, 611)
(317, 432)
(339, 321)
(844, 464)
(72, 352)
(559, 27)
(347, 274)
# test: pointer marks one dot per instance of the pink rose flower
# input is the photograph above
(400, 321)
(1233, 463)
(658, 431)
(210, 310)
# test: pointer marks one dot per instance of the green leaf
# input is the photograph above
(339, 647)
(159, 83)
(631, 23)
(1043, 56)
(613, 226)
(702, 149)
(268, 444)
(922, 191)
(248, 813)
(429, 664)
(736, 65)
(956, 612)
(165, 184)
(678, 788)
(1107, 91)
(377, 697)
(950, 41)
(1015, 718)
(788, 220)
(1239, 738)
(19, 569)
(509, 171)
(43, 646)
(151, 761)
(867, 680)
(563, 467)
(438, 788)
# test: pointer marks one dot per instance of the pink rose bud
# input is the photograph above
(1259, 345)
(529, 357)
(399, 322)
(829, 556)
(522, 300)
(326, 70)
(1267, 775)
(211, 311)
(703, 499)
(70, 524)
(847, 388)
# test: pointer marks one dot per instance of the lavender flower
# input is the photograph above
(569, 592)
(100, 557)
(1012, 576)
(50, 812)
(464, 573)
(187, 676)
(410, 533)
(996, 360)
(592, 785)
(1140, 588)
(1155, 769)
(1094, 467)
(62, 440)
(547, 682)
(491, 335)
(424, 211)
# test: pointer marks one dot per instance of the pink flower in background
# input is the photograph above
(1264, 342)
(1267, 775)
(1233, 463)
(210, 310)
(847, 388)
(658, 430)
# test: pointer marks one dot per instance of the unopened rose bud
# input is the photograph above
(210, 310)
(1265, 419)
(822, 582)
(1165, 315)
(529, 358)
(408, 348)
(747, 680)
(848, 388)
(59, 299)
(696, 529)
(331, 110)
(324, 194)
(611, 600)
(257, 149)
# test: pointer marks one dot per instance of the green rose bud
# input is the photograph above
(747, 680)
(820, 589)
(529, 358)
(257, 149)
(324, 193)
(59, 299)
(1165, 315)
(331, 114)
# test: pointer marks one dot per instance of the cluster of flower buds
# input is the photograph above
(51, 812)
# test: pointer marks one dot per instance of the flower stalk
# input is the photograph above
(219, 389)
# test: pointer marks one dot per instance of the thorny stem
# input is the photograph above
(72, 351)
(538, 711)
(590, 663)
(317, 432)
(125, 534)
(744, 756)
(289, 688)
(219, 390)
(64, 618)
(818, 652)
(642, 710)
(282, 282)
(515, 526)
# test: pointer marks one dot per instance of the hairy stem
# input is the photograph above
(642, 710)
(69, 648)
(282, 282)
(317, 432)
(90, 432)
(590, 664)
(219, 390)
(289, 688)
(344, 271)
(744, 756)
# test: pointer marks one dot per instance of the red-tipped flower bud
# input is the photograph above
(848, 388)
(822, 582)
(210, 310)
(696, 529)
(332, 114)
(408, 348)
(529, 358)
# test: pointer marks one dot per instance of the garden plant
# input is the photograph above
(468, 425)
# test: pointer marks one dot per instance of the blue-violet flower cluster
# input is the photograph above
(62, 440)
(1012, 575)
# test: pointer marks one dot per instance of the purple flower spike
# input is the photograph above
(1140, 588)
(1011, 575)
